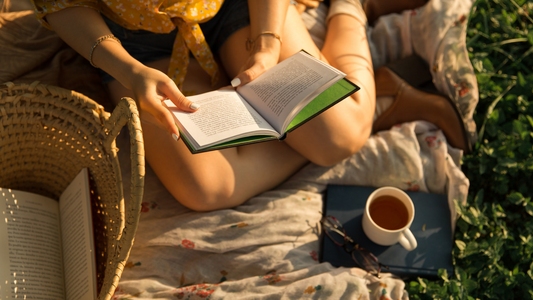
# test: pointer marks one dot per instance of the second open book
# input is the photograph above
(47, 248)
(277, 102)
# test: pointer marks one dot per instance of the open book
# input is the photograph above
(277, 102)
(46, 246)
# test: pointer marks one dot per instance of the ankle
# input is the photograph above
(351, 8)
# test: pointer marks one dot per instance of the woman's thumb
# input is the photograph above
(181, 102)
(247, 76)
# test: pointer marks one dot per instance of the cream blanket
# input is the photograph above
(267, 248)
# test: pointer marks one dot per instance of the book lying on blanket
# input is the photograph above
(46, 246)
(431, 228)
(277, 102)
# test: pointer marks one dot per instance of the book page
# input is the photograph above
(283, 89)
(223, 115)
(30, 247)
(78, 242)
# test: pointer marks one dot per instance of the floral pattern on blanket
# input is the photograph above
(311, 290)
(433, 141)
(203, 291)
(271, 278)
(185, 243)
(146, 206)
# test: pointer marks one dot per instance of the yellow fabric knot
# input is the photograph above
(190, 37)
(186, 15)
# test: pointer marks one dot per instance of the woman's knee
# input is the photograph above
(207, 193)
(336, 150)
(340, 144)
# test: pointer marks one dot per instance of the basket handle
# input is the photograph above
(126, 113)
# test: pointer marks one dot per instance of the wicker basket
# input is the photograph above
(48, 134)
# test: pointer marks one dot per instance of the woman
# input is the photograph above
(226, 178)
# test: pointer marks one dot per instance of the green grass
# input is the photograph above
(493, 250)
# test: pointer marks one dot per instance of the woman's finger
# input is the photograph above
(247, 75)
(164, 116)
(172, 92)
(259, 63)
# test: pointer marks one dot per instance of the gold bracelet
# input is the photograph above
(250, 43)
(98, 41)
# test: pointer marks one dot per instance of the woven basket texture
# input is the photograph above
(48, 134)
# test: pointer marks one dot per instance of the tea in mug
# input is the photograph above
(389, 212)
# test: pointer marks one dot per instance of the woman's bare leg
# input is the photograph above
(343, 129)
(226, 178)
(216, 179)
(346, 126)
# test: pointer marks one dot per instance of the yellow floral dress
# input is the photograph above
(158, 16)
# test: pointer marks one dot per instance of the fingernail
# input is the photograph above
(235, 82)
(195, 106)
(175, 137)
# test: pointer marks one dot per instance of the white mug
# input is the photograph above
(400, 233)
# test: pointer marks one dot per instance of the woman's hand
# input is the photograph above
(264, 55)
(151, 87)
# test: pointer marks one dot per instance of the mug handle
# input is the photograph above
(407, 240)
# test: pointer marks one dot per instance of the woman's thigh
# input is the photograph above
(329, 137)
(216, 179)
